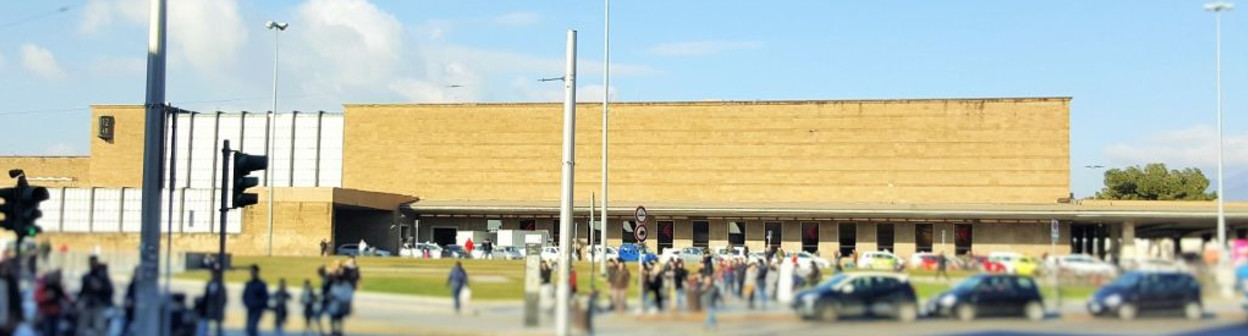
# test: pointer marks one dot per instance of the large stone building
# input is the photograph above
(954, 175)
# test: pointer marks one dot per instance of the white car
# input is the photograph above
(1080, 264)
(879, 260)
(550, 253)
(690, 255)
(418, 251)
(1007, 259)
(805, 258)
(725, 252)
(611, 253)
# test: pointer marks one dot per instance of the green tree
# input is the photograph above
(1154, 182)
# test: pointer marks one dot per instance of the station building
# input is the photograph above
(912, 175)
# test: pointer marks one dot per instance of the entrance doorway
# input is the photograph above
(771, 232)
(701, 234)
(810, 237)
(848, 233)
(666, 232)
(444, 236)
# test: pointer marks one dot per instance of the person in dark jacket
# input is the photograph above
(280, 298)
(458, 279)
(215, 297)
(52, 303)
(256, 300)
(95, 298)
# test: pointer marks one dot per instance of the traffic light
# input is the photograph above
(244, 164)
(30, 199)
(9, 208)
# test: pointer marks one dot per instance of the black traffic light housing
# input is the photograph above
(244, 164)
(21, 206)
(9, 208)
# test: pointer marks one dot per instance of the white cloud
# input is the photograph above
(353, 42)
(207, 34)
(518, 19)
(699, 48)
(1194, 146)
(41, 62)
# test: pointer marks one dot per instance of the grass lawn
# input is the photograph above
(490, 280)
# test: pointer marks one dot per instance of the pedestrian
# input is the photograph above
(95, 298)
(310, 303)
(760, 283)
(751, 282)
(280, 298)
(351, 272)
(656, 287)
(942, 266)
(215, 297)
(341, 293)
(708, 266)
(694, 291)
(773, 281)
(487, 249)
(740, 276)
(128, 303)
(816, 275)
(572, 280)
(53, 304)
(468, 246)
(362, 248)
(256, 300)
(710, 294)
(457, 280)
(324, 248)
(680, 276)
(546, 291)
(619, 287)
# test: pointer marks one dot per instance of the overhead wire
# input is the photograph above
(41, 15)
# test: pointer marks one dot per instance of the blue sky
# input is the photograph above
(1141, 72)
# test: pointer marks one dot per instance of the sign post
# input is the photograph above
(1055, 233)
(532, 282)
(639, 232)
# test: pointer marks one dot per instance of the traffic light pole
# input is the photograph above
(148, 302)
(225, 210)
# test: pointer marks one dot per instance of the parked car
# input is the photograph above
(353, 249)
(879, 261)
(689, 255)
(418, 251)
(454, 252)
(926, 261)
(725, 252)
(1148, 264)
(611, 253)
(1014, 263)
(1145, 291)
(990, 295)
(1080, 264)
(550, 253)
(631, 252)
(804, 260)
(858, 294)
(986, 265)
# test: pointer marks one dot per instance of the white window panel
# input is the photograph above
(204, 150)
(106, 215)
(331, 151)
(77, 210)
(51, 220)
(131, 212)
(281, 150)
(198, 214)
(306, 143)
(234, 222)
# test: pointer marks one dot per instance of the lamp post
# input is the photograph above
(1217, 8)
(277, 28)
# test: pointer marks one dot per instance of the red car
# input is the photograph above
(989, 266)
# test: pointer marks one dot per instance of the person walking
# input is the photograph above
(351, 272)
(710, 294)
(340, 295)
(751, 282)
(740, 277)
(52, 303)
(256, 300)
(468, 246)
(324, 248)
(457, 280)
(816, 274)
(362, 248)
(680, 276)
(619, 287)
(487, 249)
(310, 301)
(280, 298)
(95, 298)
(942, 266)
(760, 283)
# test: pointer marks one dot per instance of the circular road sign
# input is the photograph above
(640, 233)
(640, 214)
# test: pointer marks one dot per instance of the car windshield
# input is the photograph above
(1127, 280)
(970, 283)
(834, 281)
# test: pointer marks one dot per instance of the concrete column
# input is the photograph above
(718, 230)
(866, 238)
(1115, 240)
(903, 240)
(1128, 240)
(829, 240)
(791, 236)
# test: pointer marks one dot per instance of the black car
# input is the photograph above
(990, 295)
(1145, 291)
(859, 294)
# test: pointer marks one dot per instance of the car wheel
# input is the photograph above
(1127, 312)
(965, 312)
(1193, 311)
(828, 313)
(1034, 311)
(907, 312)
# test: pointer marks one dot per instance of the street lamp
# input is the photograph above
(1217, 8)
(276, 27)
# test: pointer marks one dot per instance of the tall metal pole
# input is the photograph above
(606, 101)
(147, 303)
(225, 212)
(564, 294)
(173, 170)
(277, 28)
(593, 283)
(1217, 8)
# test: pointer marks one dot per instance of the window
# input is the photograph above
(923, 237)
(884, 235)
(626, 233)
(962, 236)
(554, 231)
(736, 233)
(848, 233)
(667, 230)
(810, 237)
(701, 233)
(771, 234)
